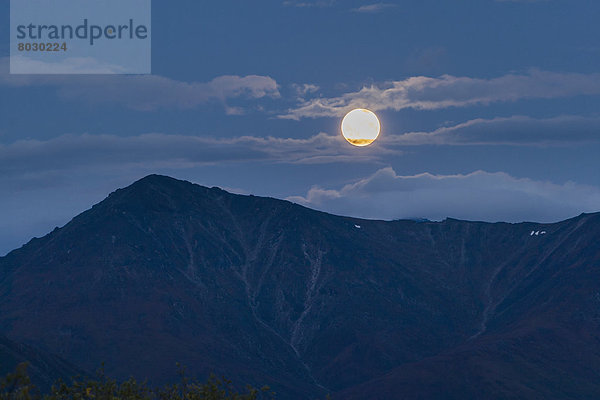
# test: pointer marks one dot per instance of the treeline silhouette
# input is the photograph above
(18, 386)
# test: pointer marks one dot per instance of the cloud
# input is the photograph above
(374, 8)
(425, 93)
(304, 89)
(146, 92)
(76, 152)
(514, 130)
(476, 196)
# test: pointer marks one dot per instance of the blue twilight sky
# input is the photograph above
(489, 111)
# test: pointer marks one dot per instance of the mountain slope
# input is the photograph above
(266, 291)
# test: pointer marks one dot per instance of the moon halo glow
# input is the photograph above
(360, 127)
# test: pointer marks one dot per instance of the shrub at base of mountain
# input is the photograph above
(18, 386)
(43, 368)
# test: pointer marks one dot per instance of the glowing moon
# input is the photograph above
(360, 127)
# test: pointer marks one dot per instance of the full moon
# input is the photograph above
(360, 127)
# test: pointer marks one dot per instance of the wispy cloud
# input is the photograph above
(514, 130)
(146, 92)
(476, 196)
(426, 93)
(304, 89)
(374, 8)
(70, 152)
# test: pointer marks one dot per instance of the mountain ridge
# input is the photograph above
(165, 271)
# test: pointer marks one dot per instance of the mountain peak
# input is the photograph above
(162, 181)
(160, 192)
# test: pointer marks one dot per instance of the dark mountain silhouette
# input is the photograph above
(43, 369)
(268, 292)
